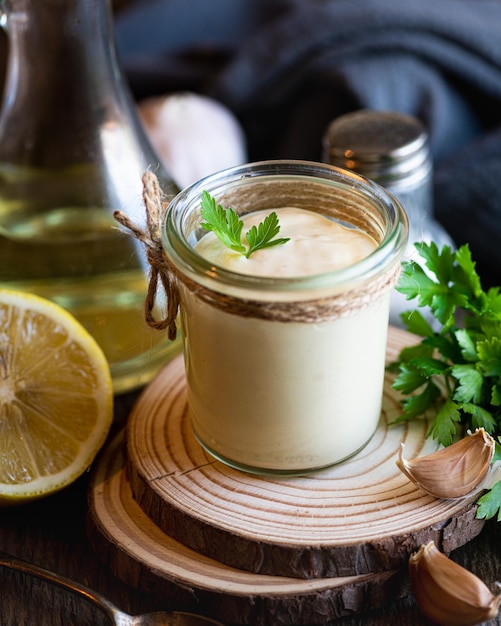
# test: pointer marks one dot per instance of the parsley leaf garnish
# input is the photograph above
(227, 226)
(457, 366)
(488, 504)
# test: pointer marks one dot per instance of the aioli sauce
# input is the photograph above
(317, 245)
(286, 396)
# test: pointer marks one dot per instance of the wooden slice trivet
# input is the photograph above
(139, 553)
(359, 517)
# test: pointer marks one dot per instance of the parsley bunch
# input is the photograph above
(227, 226)
(461, 360)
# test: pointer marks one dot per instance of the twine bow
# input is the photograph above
(328, 307)
(159, 266)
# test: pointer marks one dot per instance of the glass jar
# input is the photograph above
(285, 375)
(71, 152)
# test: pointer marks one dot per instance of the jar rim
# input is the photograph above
(181, 253)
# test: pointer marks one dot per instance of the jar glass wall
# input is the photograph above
(285, 375)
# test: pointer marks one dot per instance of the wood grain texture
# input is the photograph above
(52, 533)
(139, 553)
(359, 517)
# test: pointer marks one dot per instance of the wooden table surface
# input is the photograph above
(52, 533)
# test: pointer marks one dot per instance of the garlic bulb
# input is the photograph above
(193, 135)
(447, 593)
(455, 471)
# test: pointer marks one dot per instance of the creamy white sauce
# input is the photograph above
(316, 245)
(286, 396)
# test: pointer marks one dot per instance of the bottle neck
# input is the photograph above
(63, 86)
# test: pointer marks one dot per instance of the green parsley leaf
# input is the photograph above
(415, 283)
(416, 405)
(438, 262)
(228, 226)
(225, 224)
(465, 276)
(416, 323)
(489, 353)
(428, 366)
(262, 236)
(493, 302)
(444, 427)
(457, 364)
(469, 387)
(480, 417)
(489, 505)
(496, 395)
(409, 379)
(467, 345)
(436, 294)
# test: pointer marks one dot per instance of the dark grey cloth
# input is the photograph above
(296, 65)
(468, 202)
(437, 59)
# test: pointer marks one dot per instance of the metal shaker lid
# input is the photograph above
(385, 146)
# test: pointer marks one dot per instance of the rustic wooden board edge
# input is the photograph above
(138, 553)
(449, 527)
(318, 561)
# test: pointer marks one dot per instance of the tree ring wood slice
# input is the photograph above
(144, 557)
(358, 517)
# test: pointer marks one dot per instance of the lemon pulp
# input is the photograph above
(56, 398)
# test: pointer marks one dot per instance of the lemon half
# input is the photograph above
(56, 398)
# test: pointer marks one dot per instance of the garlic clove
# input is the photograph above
(193, 135)
(447, 593)
(452, 472)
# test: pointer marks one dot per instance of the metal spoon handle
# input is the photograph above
(15, 563)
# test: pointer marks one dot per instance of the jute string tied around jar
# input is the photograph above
(306, 311)
(159, 266)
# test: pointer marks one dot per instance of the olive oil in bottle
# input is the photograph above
(72, 152)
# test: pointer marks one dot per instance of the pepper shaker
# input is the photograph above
(391, 149)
